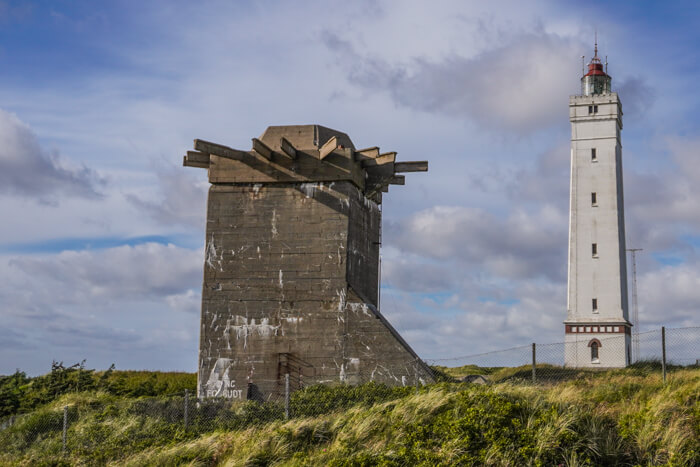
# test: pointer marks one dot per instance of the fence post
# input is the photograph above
(187, 407)
(663, 352)
(65, 427)
(534, 363)
(286, 396)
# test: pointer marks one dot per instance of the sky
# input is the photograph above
(102, 229)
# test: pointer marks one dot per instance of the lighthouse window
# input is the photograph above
(590, 109)
(595, 109)
(594, 249)
(594, 351)
(595, 305)
(594, 199)
(594, 156)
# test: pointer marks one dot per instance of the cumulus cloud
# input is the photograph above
(517, 86)
(125, 272)
(670, 294)
(636, 94)
(181, 199)
(518, 246)
(545, 181)
(28, 170)
(465, 325)
(188, 302)
(114, 305)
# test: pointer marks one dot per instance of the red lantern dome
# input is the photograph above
(596, 81)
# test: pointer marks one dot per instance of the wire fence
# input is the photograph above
(85, 426)
(582, 353)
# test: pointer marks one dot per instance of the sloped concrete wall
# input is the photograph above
(291, 286)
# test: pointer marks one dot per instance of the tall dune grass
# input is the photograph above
(621, 417)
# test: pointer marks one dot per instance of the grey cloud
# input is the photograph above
(28, 170)
(73, 333)
(417, 276)
(519, 246)
(517, 87)
(670, 295)
(545, 181)
(182, 198)
(128, 272)
(187, 302)
(637, 96)
(10, 338)
(662, 206)
(466, 325)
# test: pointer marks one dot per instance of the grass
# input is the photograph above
(617, 417)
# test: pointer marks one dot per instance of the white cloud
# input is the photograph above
(521, 245)
(188, 302)
(670, 295)
(28, 170)
(125, 273)
(517, 86)
(132, 305)
(181, 198)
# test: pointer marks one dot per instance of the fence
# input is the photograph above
(84, 427)
(542, 363)
(96, 427)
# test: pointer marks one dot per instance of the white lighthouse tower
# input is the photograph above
(597, 328)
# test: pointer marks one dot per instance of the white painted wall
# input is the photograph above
(613, 352)
(602, 276)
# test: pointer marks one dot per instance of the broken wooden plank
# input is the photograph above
(328, 147)
(386, 158)
(413, 166)
(287, 148)
(366, 153)
(217, 149)
(195, 156)
(262, 149)
(191, 163)
(397, 180)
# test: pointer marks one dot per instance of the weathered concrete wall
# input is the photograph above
(290, 286)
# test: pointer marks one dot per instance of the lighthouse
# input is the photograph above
(597, 327)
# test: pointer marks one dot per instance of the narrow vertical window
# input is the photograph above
(594, 199)
(594, 351)
(594, 249)
(595, 305)
(590, 109)
(595, 109)
(594, 156)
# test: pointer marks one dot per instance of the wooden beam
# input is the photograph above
(397, 180)
(195, 156)
(287, 148)
(415, 166)
(386, 158)
(371, 153)
(191, 163)
(328, 147)
(262, 149)
(216, 149)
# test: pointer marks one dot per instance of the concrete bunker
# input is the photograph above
(291, 267)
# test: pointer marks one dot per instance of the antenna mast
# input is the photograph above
(635, 304)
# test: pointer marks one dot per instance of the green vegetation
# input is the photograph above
(617, 417)
(20, 394)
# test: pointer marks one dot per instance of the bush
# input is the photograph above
(321, 399)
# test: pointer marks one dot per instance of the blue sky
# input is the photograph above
(102, 232)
